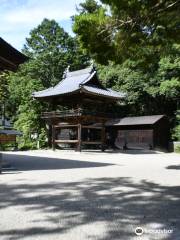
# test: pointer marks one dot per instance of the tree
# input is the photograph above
(89, 6)
(136, 29)
(155, 91)
(51, 50)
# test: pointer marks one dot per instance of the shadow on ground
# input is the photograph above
(25, 163)
(128, 151)
(173, 167)
(119, 202)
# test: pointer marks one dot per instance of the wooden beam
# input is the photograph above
(66, 141)
(66, 126)
(7, 64)
(91, 127)
(92, 142)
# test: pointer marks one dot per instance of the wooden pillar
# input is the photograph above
(49, 134)
(53, 137)
(79, 137)
(103, 137)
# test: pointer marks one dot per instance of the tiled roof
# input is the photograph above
(142, 120)
(104, 92)
(78, 81)
(10, 132)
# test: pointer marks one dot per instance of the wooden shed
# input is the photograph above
(143, 132)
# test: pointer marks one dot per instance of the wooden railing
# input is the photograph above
(65, 113)
(76, 112)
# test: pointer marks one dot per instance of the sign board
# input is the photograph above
(134, 138)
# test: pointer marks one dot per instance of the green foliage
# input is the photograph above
(128, 29)
(42, 138)
(176, 134)
(176, 130)
(7, 146)
(177, 149)
(88, 27)
(51, 50)
(148, 92)
(3, 86)
(89, 6)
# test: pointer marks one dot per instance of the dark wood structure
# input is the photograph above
(143, 132)
(85, 97)
(10, 58)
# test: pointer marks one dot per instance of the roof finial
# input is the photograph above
(92, 64)
(66, 71)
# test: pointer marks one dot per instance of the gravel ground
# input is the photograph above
(90, 196)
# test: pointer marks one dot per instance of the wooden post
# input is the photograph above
(53, 138)
(49, 134)
(79, 137)
(103, 137)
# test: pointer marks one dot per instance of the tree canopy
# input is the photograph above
(118, 30)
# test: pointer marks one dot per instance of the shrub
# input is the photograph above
(177, 148)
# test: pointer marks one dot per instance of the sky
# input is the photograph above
(18, 17)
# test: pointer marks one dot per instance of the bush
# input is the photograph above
(7, 146)
(176, 130)
(27, 146)
(177, 148)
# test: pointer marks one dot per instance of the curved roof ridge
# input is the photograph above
(76, 73)
(88, 78)
(79, 72)
(102, 92)
(76, 81)
(42, 91)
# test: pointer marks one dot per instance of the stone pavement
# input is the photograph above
(66, 195)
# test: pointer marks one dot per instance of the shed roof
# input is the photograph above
(141, 120)
(80, 81)
(10, 57)
(10, 132)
